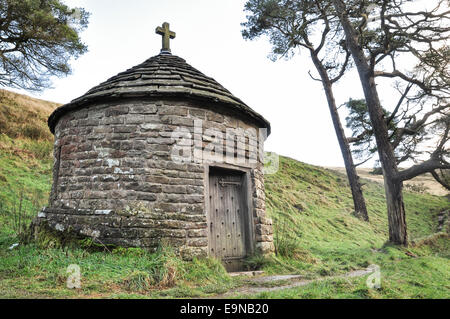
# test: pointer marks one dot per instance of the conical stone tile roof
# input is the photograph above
(164, 75)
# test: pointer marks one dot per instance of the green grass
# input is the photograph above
(316, 235)
(310, 204)
(25, 180)
(25, 157)
(312, 211)
(31, 272)
(426, 275)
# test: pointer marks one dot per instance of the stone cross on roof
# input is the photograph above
(166, 36)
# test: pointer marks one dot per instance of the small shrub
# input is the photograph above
(18, 207)
(255, 262)
(33, 131)
(286, 247)
(23, 210)
(377, 170)
(417, 188)
(285, 243)
(165, 270)
(167, 273)
(138, 280)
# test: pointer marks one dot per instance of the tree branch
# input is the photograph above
(425, 167)
(440, 180)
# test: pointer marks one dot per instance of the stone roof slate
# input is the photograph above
(160, 76)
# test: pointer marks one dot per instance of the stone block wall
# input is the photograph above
(117, 176)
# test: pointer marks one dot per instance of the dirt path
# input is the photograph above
(296, 281)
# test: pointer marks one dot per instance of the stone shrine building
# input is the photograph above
(161, 151)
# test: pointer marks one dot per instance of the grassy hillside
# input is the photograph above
(25, 156)
(316, 234)
(315, 206)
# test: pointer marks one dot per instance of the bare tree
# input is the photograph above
(293, 24)
(401, 31)
(411, 145)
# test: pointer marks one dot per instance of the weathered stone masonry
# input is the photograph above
(114, 177)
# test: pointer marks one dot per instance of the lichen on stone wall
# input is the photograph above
(118, 184)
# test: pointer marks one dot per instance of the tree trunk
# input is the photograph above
(393, 186)
(396, 212)
(353, 178)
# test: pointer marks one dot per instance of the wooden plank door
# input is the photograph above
(227, 218)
